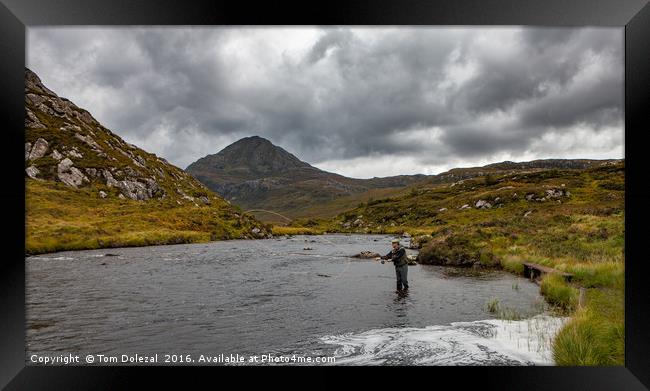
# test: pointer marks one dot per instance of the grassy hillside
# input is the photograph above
(60, 218)
(571, 220)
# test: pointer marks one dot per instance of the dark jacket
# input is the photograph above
(397, 256)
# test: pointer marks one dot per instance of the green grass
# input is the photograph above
(60, 218)
(493, 305)
(596, 334)
(557, 292)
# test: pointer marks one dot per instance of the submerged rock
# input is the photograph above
(366, 255)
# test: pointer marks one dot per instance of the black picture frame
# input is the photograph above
(632, 15)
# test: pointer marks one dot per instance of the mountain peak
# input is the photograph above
(254, 155)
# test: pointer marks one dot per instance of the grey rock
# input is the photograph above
(39, 149)
(32, 172)
(73, 152)
(102, 194)
(110, 181)
(140, 159)
(70, 128)
(466, 206)
(89, 141)
(442, 209)
(134, 190)
(121, 196)
(28, 148)
(56, 155)
(32, 122)
(554, 193)
(528, 213)
(69, 174)
(255, 230)
(482, 204)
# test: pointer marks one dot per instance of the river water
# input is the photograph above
(278, 297)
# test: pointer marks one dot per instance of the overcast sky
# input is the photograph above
(361, 102)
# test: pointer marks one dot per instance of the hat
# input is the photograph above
(395, 241)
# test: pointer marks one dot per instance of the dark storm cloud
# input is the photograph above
(337, 96)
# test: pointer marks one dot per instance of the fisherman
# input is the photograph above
(398, 256)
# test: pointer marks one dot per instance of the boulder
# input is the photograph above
(28, 148)
(73, 152)
(89, 141)
(32, 172)
(134, 190)
(102, 194)
(110, 181)
(39, 149)
(442, 209)
(482, 204)
(69, 174)
(528, 213)
(466, 206)
(32, 122)
(56, 155)
(366, 255)
(554, 193)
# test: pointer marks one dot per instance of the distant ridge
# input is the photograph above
(254, 173)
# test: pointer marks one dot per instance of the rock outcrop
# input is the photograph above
(65, 143)
(69, 174)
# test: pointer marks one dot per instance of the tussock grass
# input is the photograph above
(493, 305)
(596, 334)
(558, 292)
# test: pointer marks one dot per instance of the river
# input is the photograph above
(279, 297)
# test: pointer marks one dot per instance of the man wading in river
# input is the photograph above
(398, 256)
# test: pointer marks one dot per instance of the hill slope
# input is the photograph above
(88, 188)
(256, 174)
